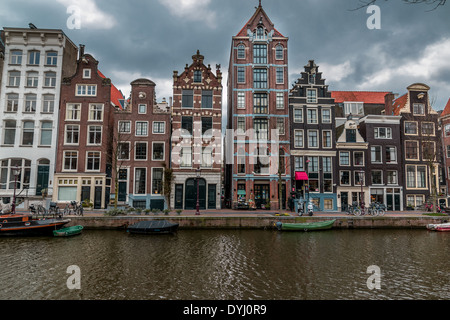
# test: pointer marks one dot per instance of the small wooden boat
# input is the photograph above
(153, 227)
(439, 226)
(25, 225)
(310, 226)
(68, 232)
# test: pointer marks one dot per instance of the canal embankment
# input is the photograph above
(236, 220)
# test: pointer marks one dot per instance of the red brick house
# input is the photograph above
(196, 136)
(141, 148)
(88, 100)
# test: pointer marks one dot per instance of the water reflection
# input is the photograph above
(228, 264)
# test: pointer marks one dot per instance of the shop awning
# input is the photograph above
(241, 192)
(301, 175)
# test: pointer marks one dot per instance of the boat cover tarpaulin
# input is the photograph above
(153, 226)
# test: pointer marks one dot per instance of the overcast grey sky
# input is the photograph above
(152, 38)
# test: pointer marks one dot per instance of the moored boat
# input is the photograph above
(68, 231)
(439, 226)
(153, 227)
(309, 226)
(26, 225)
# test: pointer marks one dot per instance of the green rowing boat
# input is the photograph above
(321, 225)
(67, 232)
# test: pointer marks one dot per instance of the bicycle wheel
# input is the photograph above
(66, 211)
(381, 212)
(357, 212)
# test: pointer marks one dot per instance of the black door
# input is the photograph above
(344, 201)
(190, 200)
(178, 196)
(85, 193)
(211, 196)
(262, 193)
(283, 195)
(98, 197)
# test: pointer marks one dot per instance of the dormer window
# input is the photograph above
(354, 108)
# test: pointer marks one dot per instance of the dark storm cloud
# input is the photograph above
(155, 37)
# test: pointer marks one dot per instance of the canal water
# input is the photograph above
(228, 264)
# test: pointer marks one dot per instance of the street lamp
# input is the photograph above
(307, 173)
(16, 173)
(361, 177)
(198, 202)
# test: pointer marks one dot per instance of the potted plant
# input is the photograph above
(267, 206)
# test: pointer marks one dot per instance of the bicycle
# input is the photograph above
(354, 209)
(54, 209)
(73, 209)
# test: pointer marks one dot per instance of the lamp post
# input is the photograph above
(198, 201)
(361, 177)
(16, 173)
(307, 173)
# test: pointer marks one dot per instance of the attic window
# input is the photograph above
(86, 73)
(197, 75)
(260, 34)
(354, 108)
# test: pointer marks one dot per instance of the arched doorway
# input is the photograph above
(190, 199)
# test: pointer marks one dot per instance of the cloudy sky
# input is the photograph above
(152, 38)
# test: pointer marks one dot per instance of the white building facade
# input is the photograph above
(35, 62)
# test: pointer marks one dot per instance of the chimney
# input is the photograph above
(388, 103)
(81, 50)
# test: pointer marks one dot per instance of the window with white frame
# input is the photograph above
(313, 139)
(86, 73)
(45, 138)
(416, 176)
(12, 102)
(140, 180)
(89, 90)
(73, 111)
(326, 139)
(418, 108)
(298, 115)
(50, 79)
(411, 149)
(410, 127)
(298, 138)
(427, 128)
(377, 176)
(280, 75)
(311, 95)
(32, 79)
(51, 58)
(383, 133)
(72, 134)
(141, 128)
(123, 151)
(344, 158)
(30, 102)
(344, 178)
(15, 57)
(96, 112)
(240, 125)
(391, 154)
(279, 52)
(9, 132)
(356, 108)
(158, 151)
(48, 103)
(157, 180)
(358, 158)
(142, 108)
(140, 151)
(28, 133)
(34, 57)
(241, 100)
(241, 51)
(280, 126)
(124, 126)
(280, 100)
(159, 126)
(241, 74)
(186, 157)
(70, 160)
(95, 135)
(392, 177)
(312, 116)
(375, 154)
(14, 78)
(93, 161)
(326, 115)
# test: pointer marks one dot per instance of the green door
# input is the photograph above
(211, 196)
(190, 200)
(42, 179)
